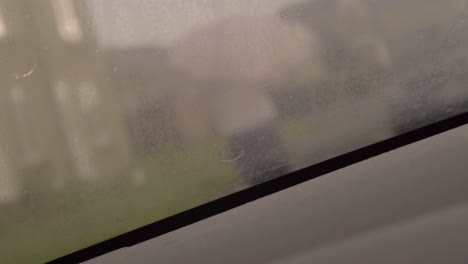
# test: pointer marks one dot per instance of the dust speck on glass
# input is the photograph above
(115, 114)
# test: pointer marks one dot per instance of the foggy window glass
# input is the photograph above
(116, 114)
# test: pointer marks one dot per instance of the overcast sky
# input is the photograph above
(124, 23)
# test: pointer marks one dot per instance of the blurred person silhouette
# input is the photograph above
(355, 54)
(369, 54)
(356, 59)
(240, 58)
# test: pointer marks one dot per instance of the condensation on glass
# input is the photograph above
(115, 114)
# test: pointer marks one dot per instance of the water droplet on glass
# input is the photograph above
(26, 73)
(226, 157)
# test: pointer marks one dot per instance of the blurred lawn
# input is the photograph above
(295, 131)
(82, 215)
(52, 225)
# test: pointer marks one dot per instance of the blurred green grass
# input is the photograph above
(54, 224)
(59, 223)
(295, 131)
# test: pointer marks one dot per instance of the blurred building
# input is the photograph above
(60, 118)
(31, 151)
(85, 98)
